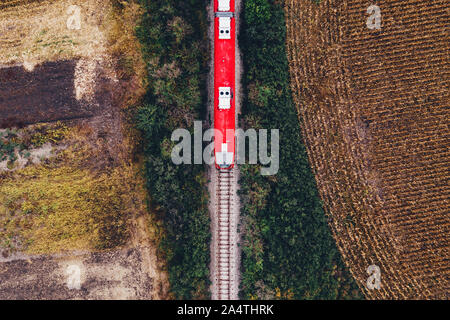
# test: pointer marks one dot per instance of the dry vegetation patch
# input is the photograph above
(69, 198)
(35, 31)
(62, 204)
(87, 191)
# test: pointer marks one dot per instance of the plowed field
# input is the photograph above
(45, 94)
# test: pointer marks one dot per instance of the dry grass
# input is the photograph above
(36, 32)
(374, 111)
(32, 32)
(125, 48)
(63, 205)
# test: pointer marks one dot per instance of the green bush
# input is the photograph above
(173, 38)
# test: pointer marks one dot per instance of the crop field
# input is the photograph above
(374, 110)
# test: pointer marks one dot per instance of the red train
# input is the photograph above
(224, 83)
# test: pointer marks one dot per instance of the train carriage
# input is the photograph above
(224, 84)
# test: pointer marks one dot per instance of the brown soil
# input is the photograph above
(45, 94)
(117, 274)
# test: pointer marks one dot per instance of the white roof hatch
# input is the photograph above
(224, 28)
(224, 97)
(224, 5)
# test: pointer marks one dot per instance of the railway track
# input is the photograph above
(224, 252)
